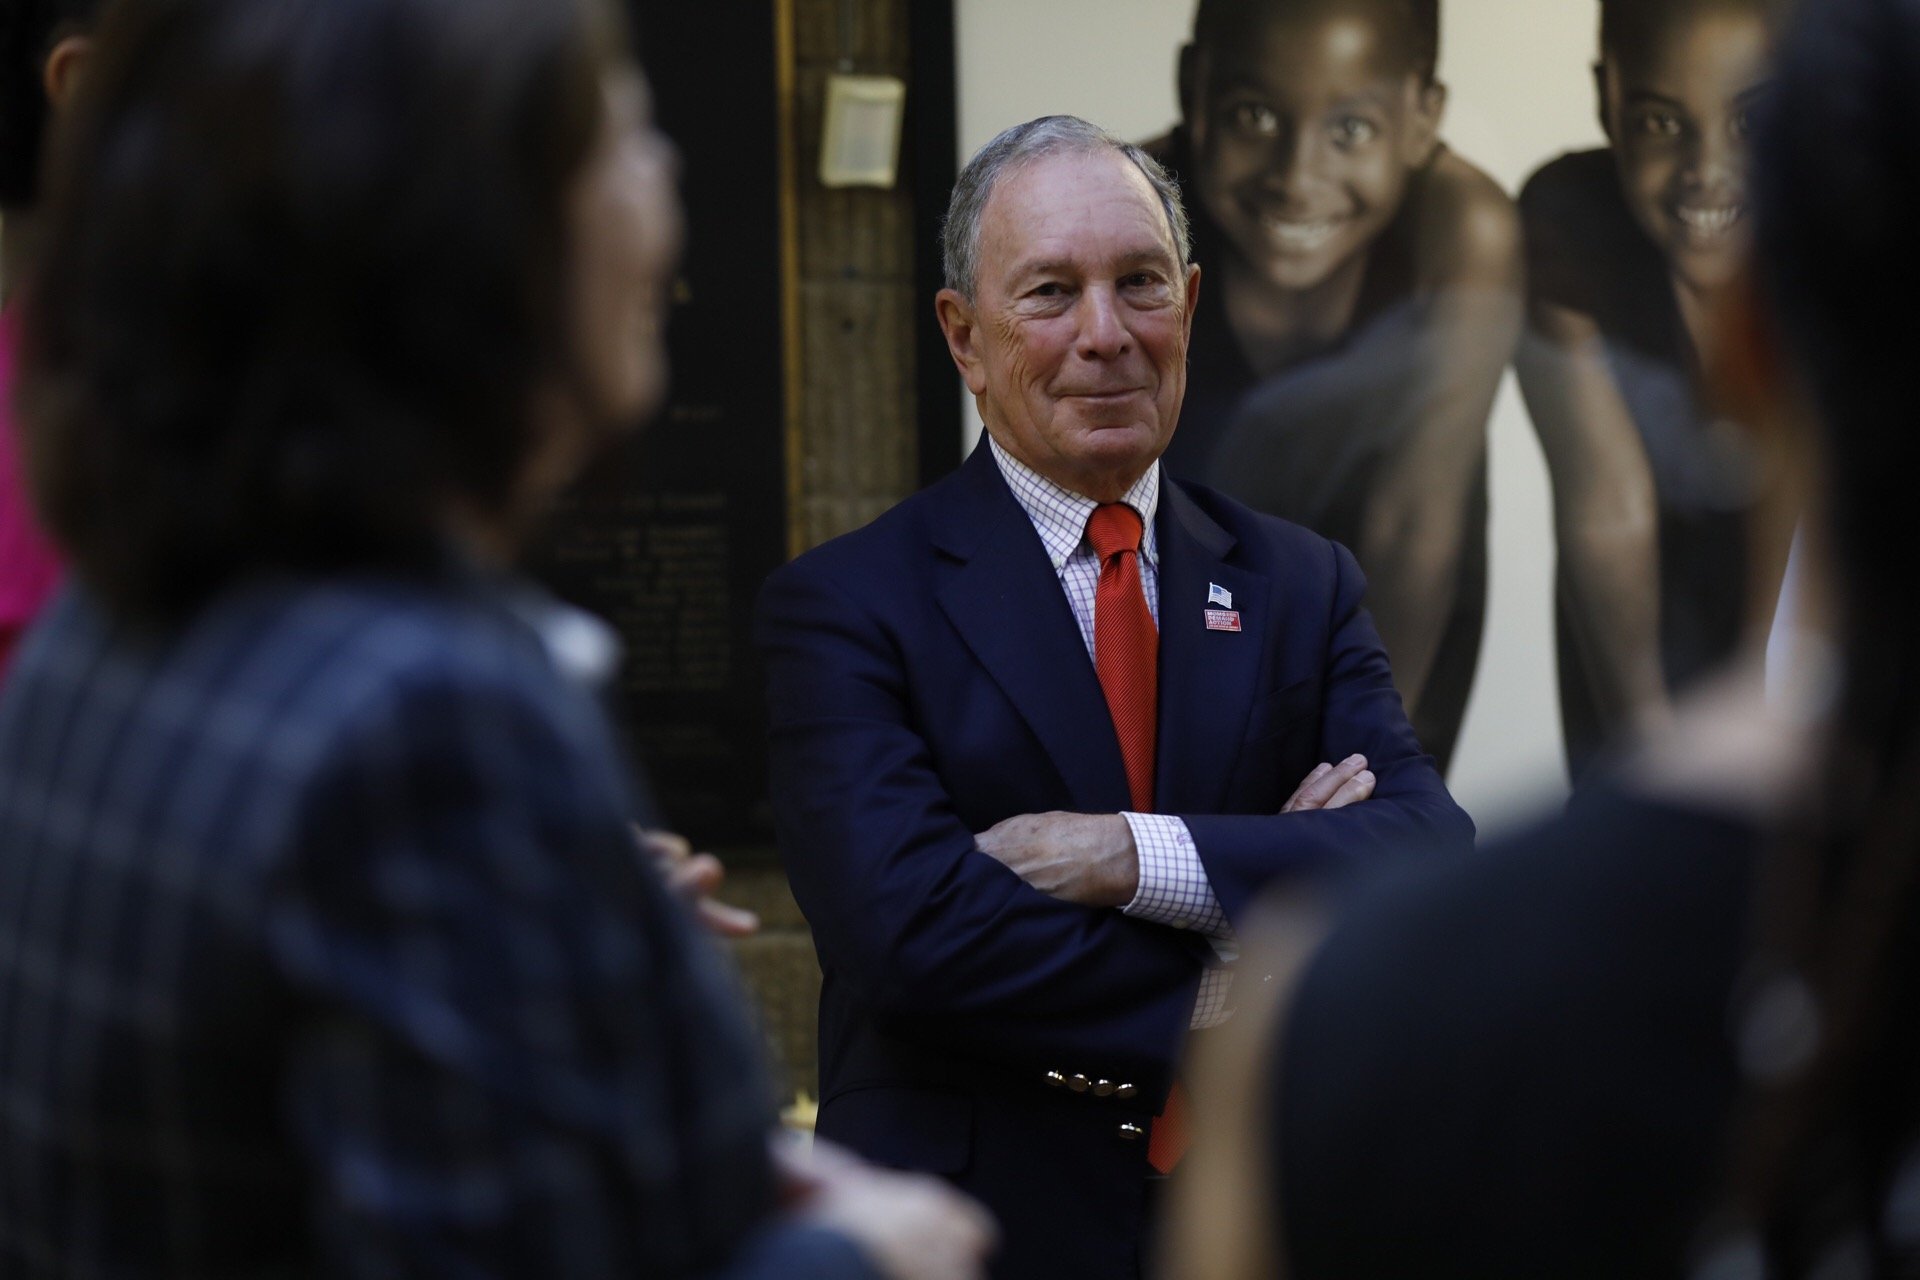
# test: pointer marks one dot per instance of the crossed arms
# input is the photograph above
(956, 948)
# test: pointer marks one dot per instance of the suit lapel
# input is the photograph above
(1207, 677)
(1004, 598)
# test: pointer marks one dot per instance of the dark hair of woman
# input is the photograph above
(292, 307)
(1830, 1028)
(28, 31)
(1415, 25)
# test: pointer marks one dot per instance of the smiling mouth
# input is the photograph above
(1709, 224)
(1300, 235)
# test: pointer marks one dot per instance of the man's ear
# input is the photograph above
(961, 326)
(1193, 300)
(61, 75)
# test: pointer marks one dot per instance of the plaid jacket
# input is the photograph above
(324, 949)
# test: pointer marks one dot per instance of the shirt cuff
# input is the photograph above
(1211, 1008)
(1173, 889)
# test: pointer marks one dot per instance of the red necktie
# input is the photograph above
(1126, 656)
(1126, 644)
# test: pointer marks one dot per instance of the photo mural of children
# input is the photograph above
(1359, 301)
(1626, 247)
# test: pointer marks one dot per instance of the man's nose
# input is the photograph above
(1103, 326)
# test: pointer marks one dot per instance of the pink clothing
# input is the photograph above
(29, 568)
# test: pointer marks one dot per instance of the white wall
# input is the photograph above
(1520, 93)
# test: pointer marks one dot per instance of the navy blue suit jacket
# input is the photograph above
(927, 680)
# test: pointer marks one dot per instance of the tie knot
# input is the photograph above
(1113, 528)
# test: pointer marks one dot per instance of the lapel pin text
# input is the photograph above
(1223, 619)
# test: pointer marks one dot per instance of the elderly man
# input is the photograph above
(1042, 730)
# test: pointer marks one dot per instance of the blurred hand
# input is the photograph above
(912, 1226)
(1333, 786)
(695, 878)
(1088, 858)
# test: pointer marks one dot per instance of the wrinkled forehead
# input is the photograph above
(1070, 204)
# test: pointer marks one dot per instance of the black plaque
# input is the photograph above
(669, 537)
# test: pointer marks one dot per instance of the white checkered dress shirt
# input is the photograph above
(1173, 884)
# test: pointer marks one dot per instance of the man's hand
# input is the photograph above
(1090, 858)
(694, 878)
(1078, 857)
(912, 1226)
(1332, 786)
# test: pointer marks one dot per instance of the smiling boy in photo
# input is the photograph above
(1627, 249)
(1360, 302)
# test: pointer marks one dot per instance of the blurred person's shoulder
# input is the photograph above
(231, 731)
(379, 629)
(443, 658)
(1614, 859)
(1537, 1030)
(299, 665)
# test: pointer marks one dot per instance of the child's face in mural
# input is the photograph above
(1675, 105)
(1305, 125)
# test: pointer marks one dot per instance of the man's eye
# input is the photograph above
(1658, 124)
(1253, 117)
(1048, 290)
(1742, 124)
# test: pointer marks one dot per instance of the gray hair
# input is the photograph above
(1022, 145)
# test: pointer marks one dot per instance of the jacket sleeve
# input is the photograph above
(1360, 711)
(941, 941)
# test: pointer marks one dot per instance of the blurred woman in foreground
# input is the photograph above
(1676, 1031)
(324, 944)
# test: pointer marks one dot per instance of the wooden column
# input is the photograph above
(852, 434)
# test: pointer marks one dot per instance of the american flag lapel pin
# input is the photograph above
(1226, 617)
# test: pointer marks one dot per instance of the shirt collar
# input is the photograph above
(1060, 515)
